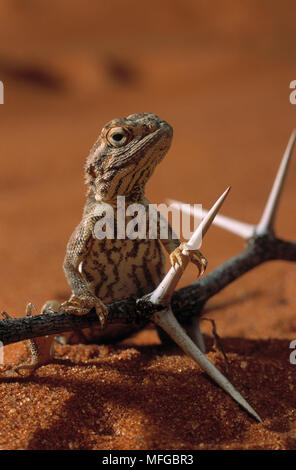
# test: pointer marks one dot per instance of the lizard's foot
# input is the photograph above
(82, 305)
(196, 257)
(41, 350)
(51, 306)
(24, 366)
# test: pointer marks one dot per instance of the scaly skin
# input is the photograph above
(101, 271)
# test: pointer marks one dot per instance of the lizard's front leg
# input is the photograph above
(174, 248)
(79, 247)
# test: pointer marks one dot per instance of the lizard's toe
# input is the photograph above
(177, 257)
(82, 305)
(197, 258)
(51, 306)
(76, 306)
(102, 312)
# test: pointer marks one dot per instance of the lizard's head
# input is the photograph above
(125, 155)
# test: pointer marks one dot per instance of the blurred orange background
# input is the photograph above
(219, 72)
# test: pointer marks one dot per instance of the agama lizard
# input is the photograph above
(105, 270)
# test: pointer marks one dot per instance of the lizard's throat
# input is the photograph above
(128, 182)
(135, 195)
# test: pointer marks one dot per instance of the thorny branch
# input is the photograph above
(186, 302)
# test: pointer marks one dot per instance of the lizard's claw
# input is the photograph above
(196, 257)
(82, 305)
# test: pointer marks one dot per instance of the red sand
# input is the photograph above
(221, 78)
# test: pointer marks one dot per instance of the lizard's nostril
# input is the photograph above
(167, 127)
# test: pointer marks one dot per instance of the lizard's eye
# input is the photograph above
(118, 136)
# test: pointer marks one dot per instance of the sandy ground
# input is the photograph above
(221, 78)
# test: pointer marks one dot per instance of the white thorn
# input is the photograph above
(164, 291)
(168, 322)
(267, 220)
(205, 224)
(243, 230)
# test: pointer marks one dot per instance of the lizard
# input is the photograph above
(99, 271)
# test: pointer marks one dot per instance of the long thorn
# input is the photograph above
(242, 229)
(267, 220)
(168, 322)
(206, 222)
(164, 291)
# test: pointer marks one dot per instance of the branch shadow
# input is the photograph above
(212, 306)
